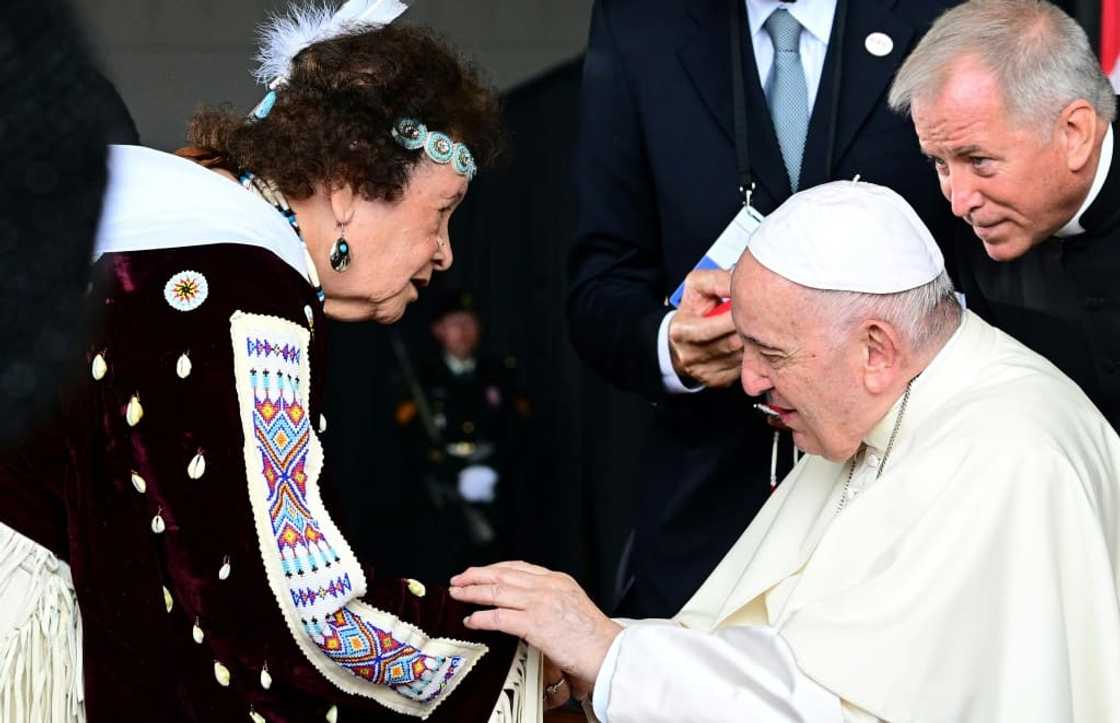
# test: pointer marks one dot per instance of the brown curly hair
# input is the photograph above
(332, 121)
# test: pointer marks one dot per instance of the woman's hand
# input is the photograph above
(557, 689)
(547, 609)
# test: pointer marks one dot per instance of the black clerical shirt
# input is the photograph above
(1062, 298)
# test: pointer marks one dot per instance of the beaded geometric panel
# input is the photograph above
(378, 657)
(311, 569)
(282, 431)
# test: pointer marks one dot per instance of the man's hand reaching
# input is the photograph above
(705, 349)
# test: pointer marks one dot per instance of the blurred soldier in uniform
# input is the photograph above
(459, 415)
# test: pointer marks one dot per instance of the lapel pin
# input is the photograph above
(879, 44)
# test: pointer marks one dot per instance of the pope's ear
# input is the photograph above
(882, 357)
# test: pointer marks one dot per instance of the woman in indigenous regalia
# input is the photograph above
(183, 487)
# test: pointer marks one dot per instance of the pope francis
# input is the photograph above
(947, 550)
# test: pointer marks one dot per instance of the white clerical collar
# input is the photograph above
(1104, 164)
(879, 436)
(459, 367)
(814, 15)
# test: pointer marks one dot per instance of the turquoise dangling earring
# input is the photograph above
(340, 251)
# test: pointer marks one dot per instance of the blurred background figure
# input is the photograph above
(59, 113)
(462, 420)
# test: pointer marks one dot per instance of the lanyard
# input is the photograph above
(736, 20)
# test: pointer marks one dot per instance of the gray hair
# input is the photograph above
(1039, 55)
(923, 315)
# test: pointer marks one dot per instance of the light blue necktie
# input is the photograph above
(786, 91)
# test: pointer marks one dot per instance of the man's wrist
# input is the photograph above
(668, 362)
(604, 640)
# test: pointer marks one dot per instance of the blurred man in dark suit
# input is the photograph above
(58, 115)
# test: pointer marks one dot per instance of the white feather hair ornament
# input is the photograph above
(282, 37)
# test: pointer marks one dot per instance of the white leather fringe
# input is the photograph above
(40, 635)
(521, 699)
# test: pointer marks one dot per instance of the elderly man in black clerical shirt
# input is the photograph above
(1012, 107)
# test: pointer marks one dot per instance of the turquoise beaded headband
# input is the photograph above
(413, 135)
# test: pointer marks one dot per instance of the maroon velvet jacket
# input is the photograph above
(70, 488)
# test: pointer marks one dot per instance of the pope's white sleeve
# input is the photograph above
(666, 674)
(669, 376)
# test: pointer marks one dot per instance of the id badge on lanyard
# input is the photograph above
(728, 247)
(730, 244)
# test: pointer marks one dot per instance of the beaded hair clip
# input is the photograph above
(412, 134)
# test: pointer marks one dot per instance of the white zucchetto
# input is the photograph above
(848, 236)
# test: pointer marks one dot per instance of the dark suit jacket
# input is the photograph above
(657, 183)
(1061, 298)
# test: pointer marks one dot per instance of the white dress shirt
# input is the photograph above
(815, 17)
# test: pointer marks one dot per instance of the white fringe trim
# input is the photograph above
(41, 642)
(521, 699)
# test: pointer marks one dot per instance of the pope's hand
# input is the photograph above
(705, 349)
(547, 609)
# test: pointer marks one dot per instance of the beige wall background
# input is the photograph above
(166, 56)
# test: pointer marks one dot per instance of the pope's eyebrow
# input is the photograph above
(753, 341)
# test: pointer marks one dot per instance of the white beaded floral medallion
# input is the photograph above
(186, 290)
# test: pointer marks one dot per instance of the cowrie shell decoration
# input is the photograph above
(139, 483)
(98, 368)
(266, 679)
(223, 573)
(332, 714)
(256, 717)
(134, 412)
(183, 366)
(197, 467)
(168, 602)
(417, 588)
(196, 632)
(158, 525)
(221, 674)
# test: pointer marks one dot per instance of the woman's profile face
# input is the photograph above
(395, 246)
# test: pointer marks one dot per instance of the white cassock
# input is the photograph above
(974, 581)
